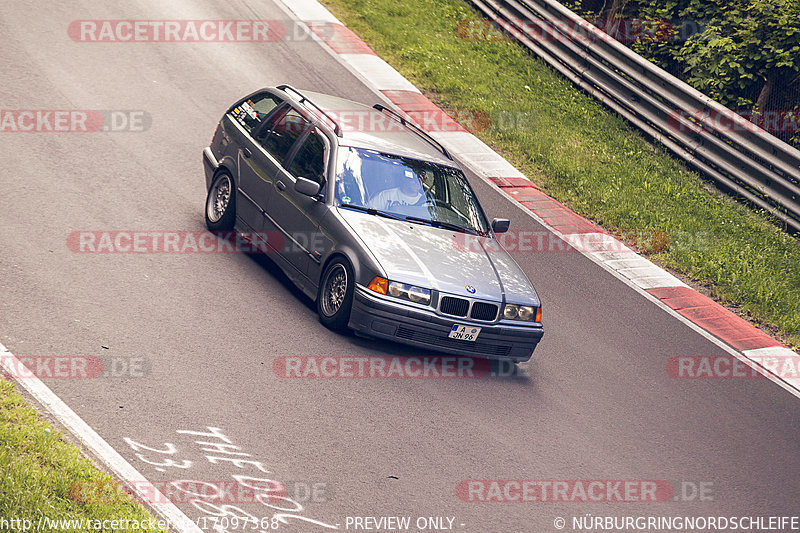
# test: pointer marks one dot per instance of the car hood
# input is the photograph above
(441, 259)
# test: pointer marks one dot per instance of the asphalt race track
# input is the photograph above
(594, 403)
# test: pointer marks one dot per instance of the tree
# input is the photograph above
(743, 53)
(750, 50)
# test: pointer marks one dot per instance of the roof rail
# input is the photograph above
(305, 100)
(416, 129)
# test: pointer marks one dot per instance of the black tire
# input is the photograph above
(216, 201)
(332, 316)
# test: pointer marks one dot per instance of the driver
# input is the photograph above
(408, 192)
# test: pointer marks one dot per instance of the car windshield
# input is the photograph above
(409, 188)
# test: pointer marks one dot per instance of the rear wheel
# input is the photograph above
(335, 298)
(221, 203)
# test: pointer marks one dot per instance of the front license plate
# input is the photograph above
(464, 333)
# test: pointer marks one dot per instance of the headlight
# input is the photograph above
(511, 311)
(396, 290)
(403, 291)
(419, 295)
(526, 313)
(409, 292)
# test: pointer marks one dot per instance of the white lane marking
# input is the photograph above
(98, 447)
(469, 148)
(312, 11)
(626, 262)
(381, 75)
(790, 385)
(292, 14)
(779, 352)
(486, 162)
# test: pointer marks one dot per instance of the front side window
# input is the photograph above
(309, 161)
(407, 187)
(252, 112)
(278, 137)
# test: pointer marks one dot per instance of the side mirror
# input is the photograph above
(307, 187)
(500, 225)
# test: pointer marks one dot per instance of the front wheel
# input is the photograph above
(335, 298)
(221, 204)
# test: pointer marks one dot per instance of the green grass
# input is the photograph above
(41, 474)
(586, 156)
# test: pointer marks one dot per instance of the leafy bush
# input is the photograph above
(743, 53)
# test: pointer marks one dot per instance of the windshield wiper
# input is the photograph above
(444, 225)
(373, 211)
(434, 223)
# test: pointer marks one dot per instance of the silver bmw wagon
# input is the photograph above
(370, 217)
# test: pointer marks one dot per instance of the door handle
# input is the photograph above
(280, 185)
(247, 153)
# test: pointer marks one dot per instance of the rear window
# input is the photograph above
(252, 112)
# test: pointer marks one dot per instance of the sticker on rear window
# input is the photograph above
(248, 108)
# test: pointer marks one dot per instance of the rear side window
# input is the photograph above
(278, 138)
(252, 112)
(310, 159)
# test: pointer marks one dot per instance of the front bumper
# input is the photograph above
(377, 317)
(210, 165)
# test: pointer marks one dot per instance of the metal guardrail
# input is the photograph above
(737, 154)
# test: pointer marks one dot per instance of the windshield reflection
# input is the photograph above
(407, 187)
